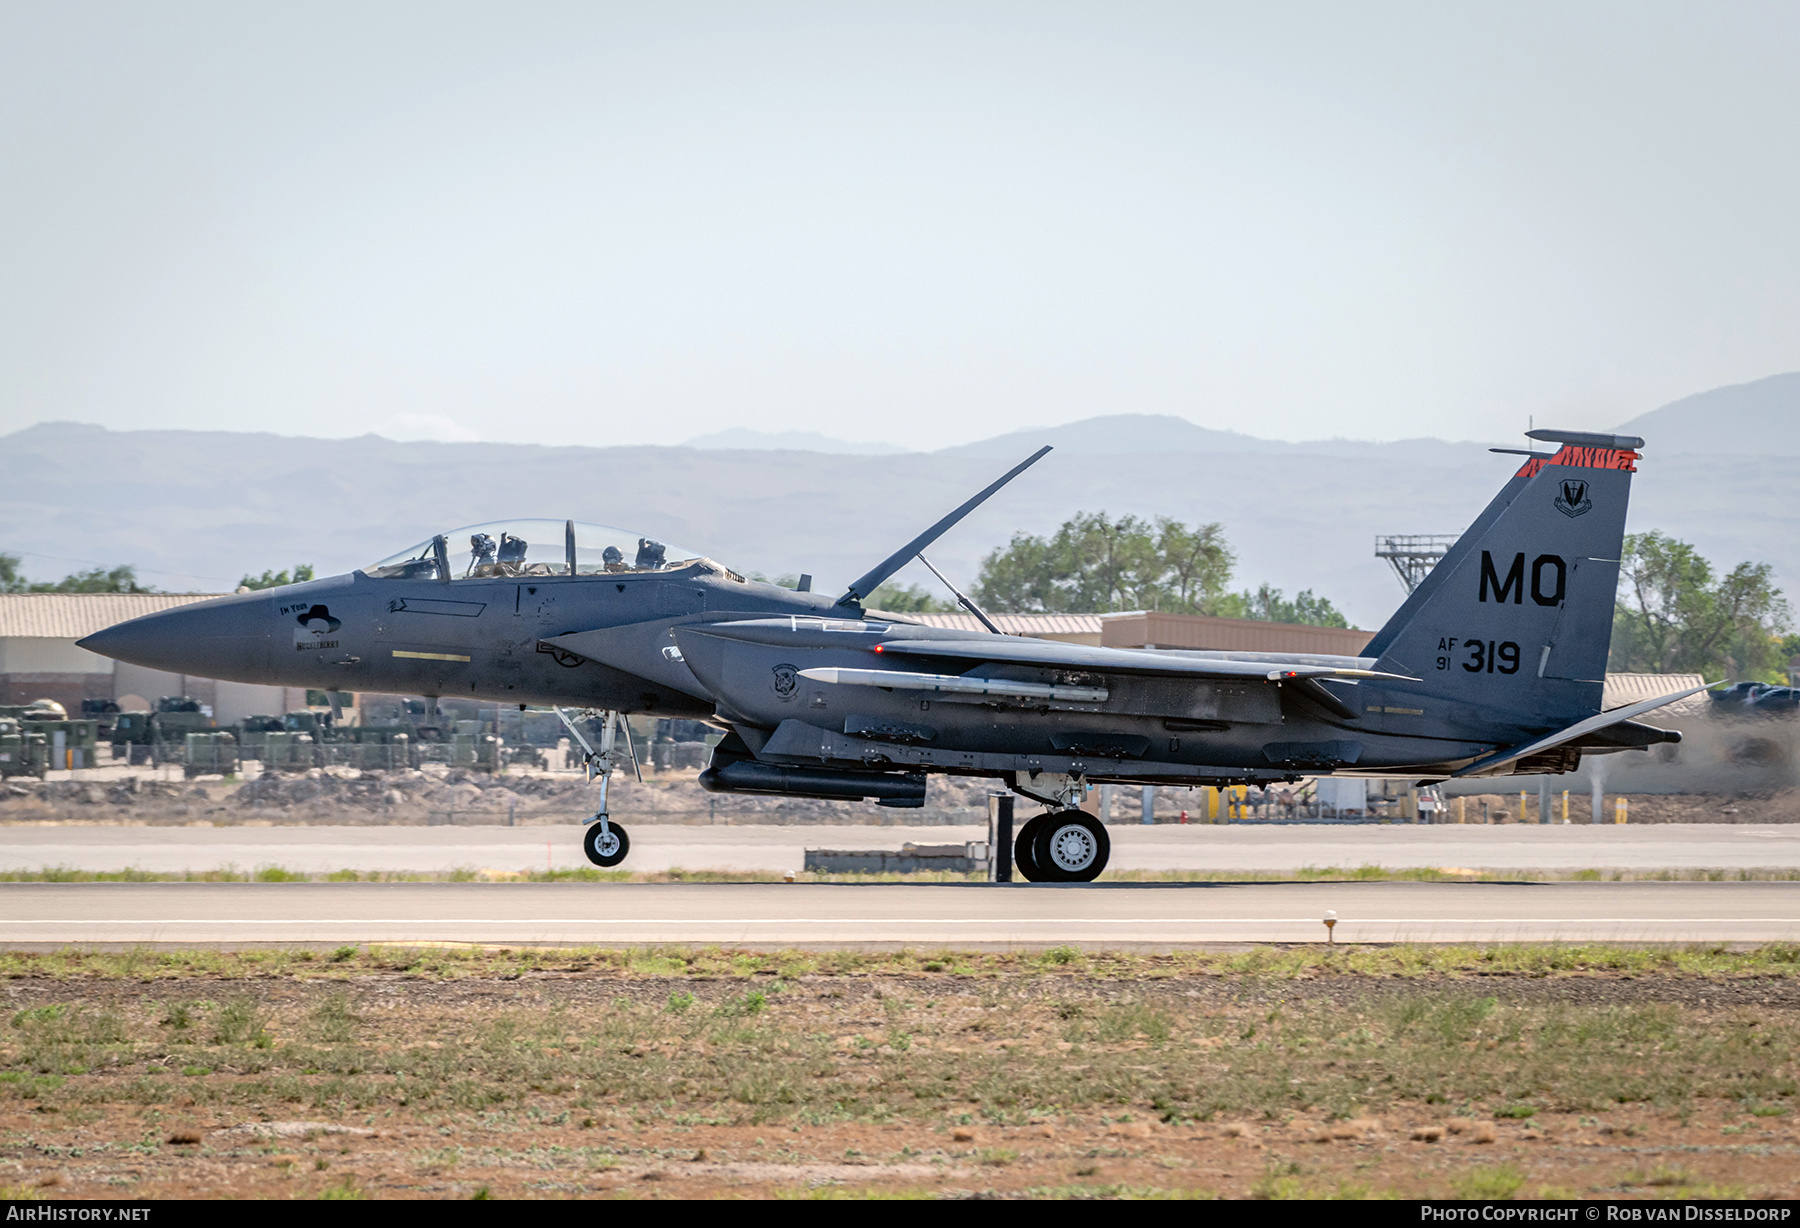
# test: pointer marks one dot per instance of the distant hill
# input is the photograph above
(1119, 435)
(1165, 434)
(1761, 418)
(789, 441)
(196, 510)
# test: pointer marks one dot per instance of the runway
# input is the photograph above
(1236, 848)
(1164, 915)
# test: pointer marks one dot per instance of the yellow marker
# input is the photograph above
(1521, 805)
(1462, 810)
(1565, 806)
(1619, 810)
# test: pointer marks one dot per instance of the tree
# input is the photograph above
(121, 579)
(1199, 564)
(275, 579)
(1092, 564)
(1270, 605)
(908, 599)
(1673, 616)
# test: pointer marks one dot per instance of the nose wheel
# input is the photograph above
(1063, 846)
(605, 843)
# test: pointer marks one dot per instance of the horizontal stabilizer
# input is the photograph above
(1580, 729)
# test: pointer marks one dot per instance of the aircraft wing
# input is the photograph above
(1017, 651)
(1580, 729)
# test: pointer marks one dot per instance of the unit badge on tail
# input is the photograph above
(1574, 501)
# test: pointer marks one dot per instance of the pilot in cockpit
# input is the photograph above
(612, 559)
(481, 551)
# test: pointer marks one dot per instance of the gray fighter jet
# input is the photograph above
(1494, 665)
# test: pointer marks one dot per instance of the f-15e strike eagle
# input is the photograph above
(1493, 666)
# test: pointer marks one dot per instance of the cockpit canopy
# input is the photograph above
(531, 548)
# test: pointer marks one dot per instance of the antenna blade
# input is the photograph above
(894, 562)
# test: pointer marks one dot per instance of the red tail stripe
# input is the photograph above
(1582, 458)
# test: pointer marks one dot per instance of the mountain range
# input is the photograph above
(195, 510)
(1754, 419)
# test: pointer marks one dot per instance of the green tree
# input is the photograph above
(275, 579)
(1270, 605)
(1198, 565)
(1095, 564)
(908, 599)
(95, 580)
(1675, 616)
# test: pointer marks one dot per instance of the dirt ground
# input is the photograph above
(441, 795)
(659, 1074)
(437, 794)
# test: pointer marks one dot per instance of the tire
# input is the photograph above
(1071, 847)
(1024, 859)
(617, 845)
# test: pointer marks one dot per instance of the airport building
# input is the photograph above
(1152, 629)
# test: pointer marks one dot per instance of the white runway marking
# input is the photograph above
(924, 915)
(1314, 921)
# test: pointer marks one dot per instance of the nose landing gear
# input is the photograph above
(604, 842)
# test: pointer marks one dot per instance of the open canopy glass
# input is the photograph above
(531, 548)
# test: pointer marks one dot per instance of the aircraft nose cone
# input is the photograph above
(227, 637)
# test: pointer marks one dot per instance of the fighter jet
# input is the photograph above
(1493, 666)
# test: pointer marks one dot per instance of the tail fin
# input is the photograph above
(1517, 618)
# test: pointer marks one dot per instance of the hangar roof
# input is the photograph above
(70, 616)
(1016, 624)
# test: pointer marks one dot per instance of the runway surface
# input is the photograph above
(871, 916)
(1235, 848)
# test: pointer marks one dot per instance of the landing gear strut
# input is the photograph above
(605, 842)
(1064, 844)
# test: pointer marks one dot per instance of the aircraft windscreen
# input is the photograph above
(531, 548)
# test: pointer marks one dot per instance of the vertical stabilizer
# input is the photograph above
(1517, 618)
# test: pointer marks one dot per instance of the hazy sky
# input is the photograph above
(915, 223)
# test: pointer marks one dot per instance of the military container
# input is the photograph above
(23, 750)
(289, 752)
(213, 753)
(251, 732)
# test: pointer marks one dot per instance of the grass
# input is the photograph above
(511, 1064)
(1489, 1183)
(1271, 963)
(774, 1037)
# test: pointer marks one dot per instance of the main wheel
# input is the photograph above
(1071, 847)
(608, 848)
(1024, 859)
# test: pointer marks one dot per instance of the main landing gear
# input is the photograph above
(1062, 846)
(604, 841)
